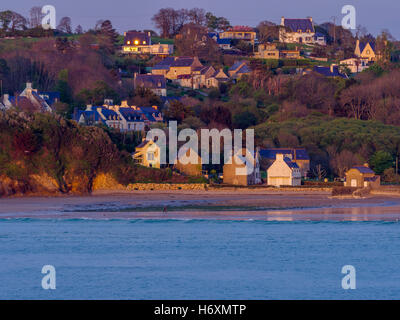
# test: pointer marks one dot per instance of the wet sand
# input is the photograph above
(221, 205)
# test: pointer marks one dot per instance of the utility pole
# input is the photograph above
(334, 29)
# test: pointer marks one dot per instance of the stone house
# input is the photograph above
(189, 162)
(284, 172)
(243, 169)
(155, 83)
(136, 42)
(243, 33)
(355, 65)
(362, 177)
(148, 154)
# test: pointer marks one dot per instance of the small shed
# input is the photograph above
(362, 177)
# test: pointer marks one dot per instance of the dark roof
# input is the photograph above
(142, 37)
(236, 65)
(299, 24)
(50, 97)
(224, 41)
(143, 143)
(150, 81)
(131, 114)
(164, 64)
(270, 153)
(183, 62)
(290, 163)
(326, 71)
(364, 44)
(374, 178)
(364, 169)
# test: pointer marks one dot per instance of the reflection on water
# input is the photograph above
(364, 213)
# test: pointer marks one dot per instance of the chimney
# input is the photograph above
(282, 21)
(89, 107)
(333, 66)
(155, 107)
(6, 97)
(279, 157)
(366, 165)
(29, 85)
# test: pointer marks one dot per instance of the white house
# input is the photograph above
(355, 64)
(284, 172)
(297, 31)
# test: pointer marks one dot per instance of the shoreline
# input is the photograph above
(197, 204)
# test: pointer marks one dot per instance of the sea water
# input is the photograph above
(198, 259)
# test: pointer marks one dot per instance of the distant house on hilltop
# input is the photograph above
(155, 83)
(173, 67)
(40, 101)
(332, 71)
(239, 69)
(243, 33)
(366, 50)
(297, 31)
(136, 42)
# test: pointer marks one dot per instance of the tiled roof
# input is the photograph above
(164, 64)
(270, 153)
(326, 71)
(299, 24)
(150, 81)
(290, 163)
(183, 62)
(131, 115)
(363, 169)
(236, 65)
(364, 44)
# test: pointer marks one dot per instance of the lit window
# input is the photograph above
(144, 42)
(136, 42)
(128, 42)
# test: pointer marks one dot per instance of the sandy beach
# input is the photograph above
(231, 205)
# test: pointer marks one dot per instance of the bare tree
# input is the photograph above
(65, 25)
(319, 172)
(36, 17)
(197, 16)
(79, 29)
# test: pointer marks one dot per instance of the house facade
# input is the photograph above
(148, 154)
(355, 65)
(362, 177)
(366, 50)
(136, 42)
(284, 172)
(243, 33)
(298, 155)
(41, 101)
(267, 51)
(153, 82)
(297, 31)
(243, 168)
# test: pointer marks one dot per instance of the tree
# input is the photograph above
(217, 23)
(178, 111)
(79, 29)
(65, 25)
(109, 37)
(197, 16)
(319, 172)
(244, 120)
(268, 31)
(380, 161)
(170, 21)
(36, 17)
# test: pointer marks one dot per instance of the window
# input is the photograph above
(150, 156)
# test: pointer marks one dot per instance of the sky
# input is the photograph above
(136, 14)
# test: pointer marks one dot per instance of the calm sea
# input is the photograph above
(198, 259)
